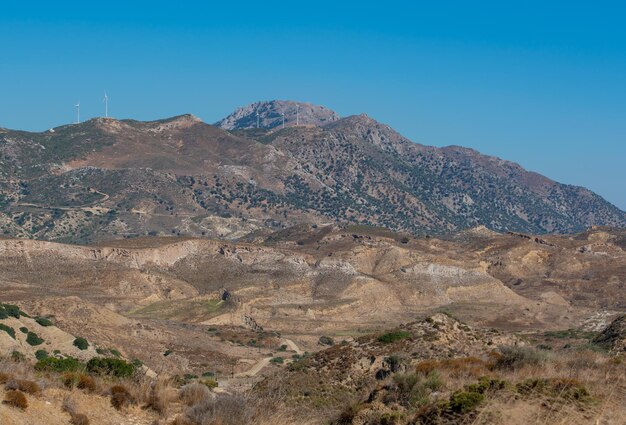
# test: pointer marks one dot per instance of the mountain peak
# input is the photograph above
(270, 115)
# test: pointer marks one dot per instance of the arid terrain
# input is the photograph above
(268, 313)
(327, 272)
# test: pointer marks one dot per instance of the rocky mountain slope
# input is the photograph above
(106, 179)
(271, 115)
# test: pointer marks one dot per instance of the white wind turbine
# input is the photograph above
(77, 106)
(297, 114)
(257, 118)
(106, 105)
(283, 114)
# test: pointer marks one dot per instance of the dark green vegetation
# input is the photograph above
(42, 321)
(392, 337)
(110, 366)
(11, 310)
(81, 343)
(8, 330)
(33, 339)
(54, 364)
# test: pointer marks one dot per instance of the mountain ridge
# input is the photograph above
(108, 178)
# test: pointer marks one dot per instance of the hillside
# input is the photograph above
(107, 179)
(302, 322)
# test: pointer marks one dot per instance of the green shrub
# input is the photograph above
(115, 352)
(17, 357)
(414, 390)
(42, 321)
(33, 339)
(462, 402)
(392, 337)
(326, 340)
(53, 364)
(3, 313)
(41, 354)
(110, 366)
(210, 382)
(283, 347)
(81, 343)
(278, 360)
(12, 310)
(24, 329)
(8, 330)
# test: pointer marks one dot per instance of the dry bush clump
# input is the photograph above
(26, 386)
(194, 393)
(162, 395)
(120, 397)
(76, 418)
(16, 399)
(4, 377)
(79, 380)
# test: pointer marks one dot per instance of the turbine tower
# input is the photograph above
(106, 105)
(77, 106)
(283, 114)
(297, 114)
(257, 118)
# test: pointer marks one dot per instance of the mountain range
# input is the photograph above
(250, 174)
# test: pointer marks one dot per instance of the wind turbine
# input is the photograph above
(77, 106)
(106, 105)
(257, 118)
(297, 114)
(283, 114)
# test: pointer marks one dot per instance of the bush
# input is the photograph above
(392, 337)
(567, 389)
(81, 343)
(4, 377)
(110, 366)
(53, 364)
(8, 330)
(79, 380)
(283, 347)
(278, 360)
(24, 329)
(462, 402)
(79, 419)
(76, 418)
(326, 340)
(210, 383)
(15, 399)
(414, 390)
(28, 387)
(512, 358)
(41, 354)
(191, 394)
(17, 357)
(33, 339)
(13, 310)
(42, 321)
(120, 397)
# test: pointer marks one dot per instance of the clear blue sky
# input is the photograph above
(540, 84)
